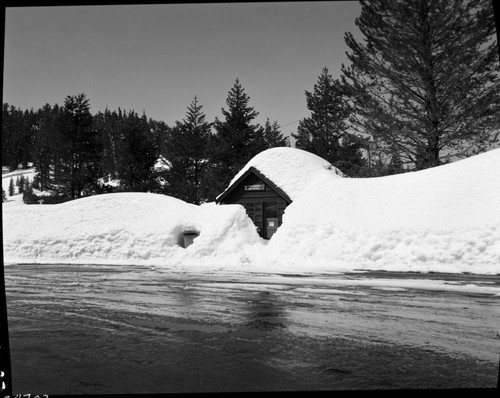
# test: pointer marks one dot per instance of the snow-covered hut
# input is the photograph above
(270, 181)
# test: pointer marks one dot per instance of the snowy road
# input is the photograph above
(78, 329)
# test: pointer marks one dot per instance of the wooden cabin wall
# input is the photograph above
(253, 201)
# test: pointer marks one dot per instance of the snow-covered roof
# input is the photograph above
(162, 163)
(290, 169)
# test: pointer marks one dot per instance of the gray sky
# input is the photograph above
(156, 58)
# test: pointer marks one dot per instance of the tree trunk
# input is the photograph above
(433, 148)
(432, 107)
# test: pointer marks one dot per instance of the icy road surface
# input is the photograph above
(95, 329)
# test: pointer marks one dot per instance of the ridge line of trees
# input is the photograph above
(78, 154)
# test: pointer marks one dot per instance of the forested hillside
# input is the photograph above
(76, 153)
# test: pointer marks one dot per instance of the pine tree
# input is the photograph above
(130, 148)
(425, 81)
(81, 151)
(186, 150)
(160, 135)
(324, 133)
(28, 195)
(29, 131)
(11, 187)
(136, 153)
(110, 124)
(20, 184)
(6, 135)
(47, 141)
(272, 135)
(236, 139)
(13, 127)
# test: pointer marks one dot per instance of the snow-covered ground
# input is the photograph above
(445, 219)
(16, 199)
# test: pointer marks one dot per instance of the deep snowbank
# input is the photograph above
(125, 228)
(445, 219)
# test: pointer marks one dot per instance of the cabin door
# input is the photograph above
(270, 210)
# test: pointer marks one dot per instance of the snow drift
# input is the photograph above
(125, 228)
(445, 219)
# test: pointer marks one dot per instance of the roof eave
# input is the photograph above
(252, 169)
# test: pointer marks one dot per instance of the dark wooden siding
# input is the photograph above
(253, 200)
(240, 195)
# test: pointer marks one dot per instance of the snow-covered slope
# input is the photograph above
(17, 198)
(445, 219)
(442, 219)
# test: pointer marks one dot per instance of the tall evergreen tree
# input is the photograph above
(6, 135)
(324, 133)
(13, 136)
(160, 135)
(425, 81)
(136, 153)
(81, 149)
(236, 139)
(186, 150)
(29, 131)
(46, 141)
(110, 125)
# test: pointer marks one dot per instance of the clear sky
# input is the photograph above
(156, 58)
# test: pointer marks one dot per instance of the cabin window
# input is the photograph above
(271, 210)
